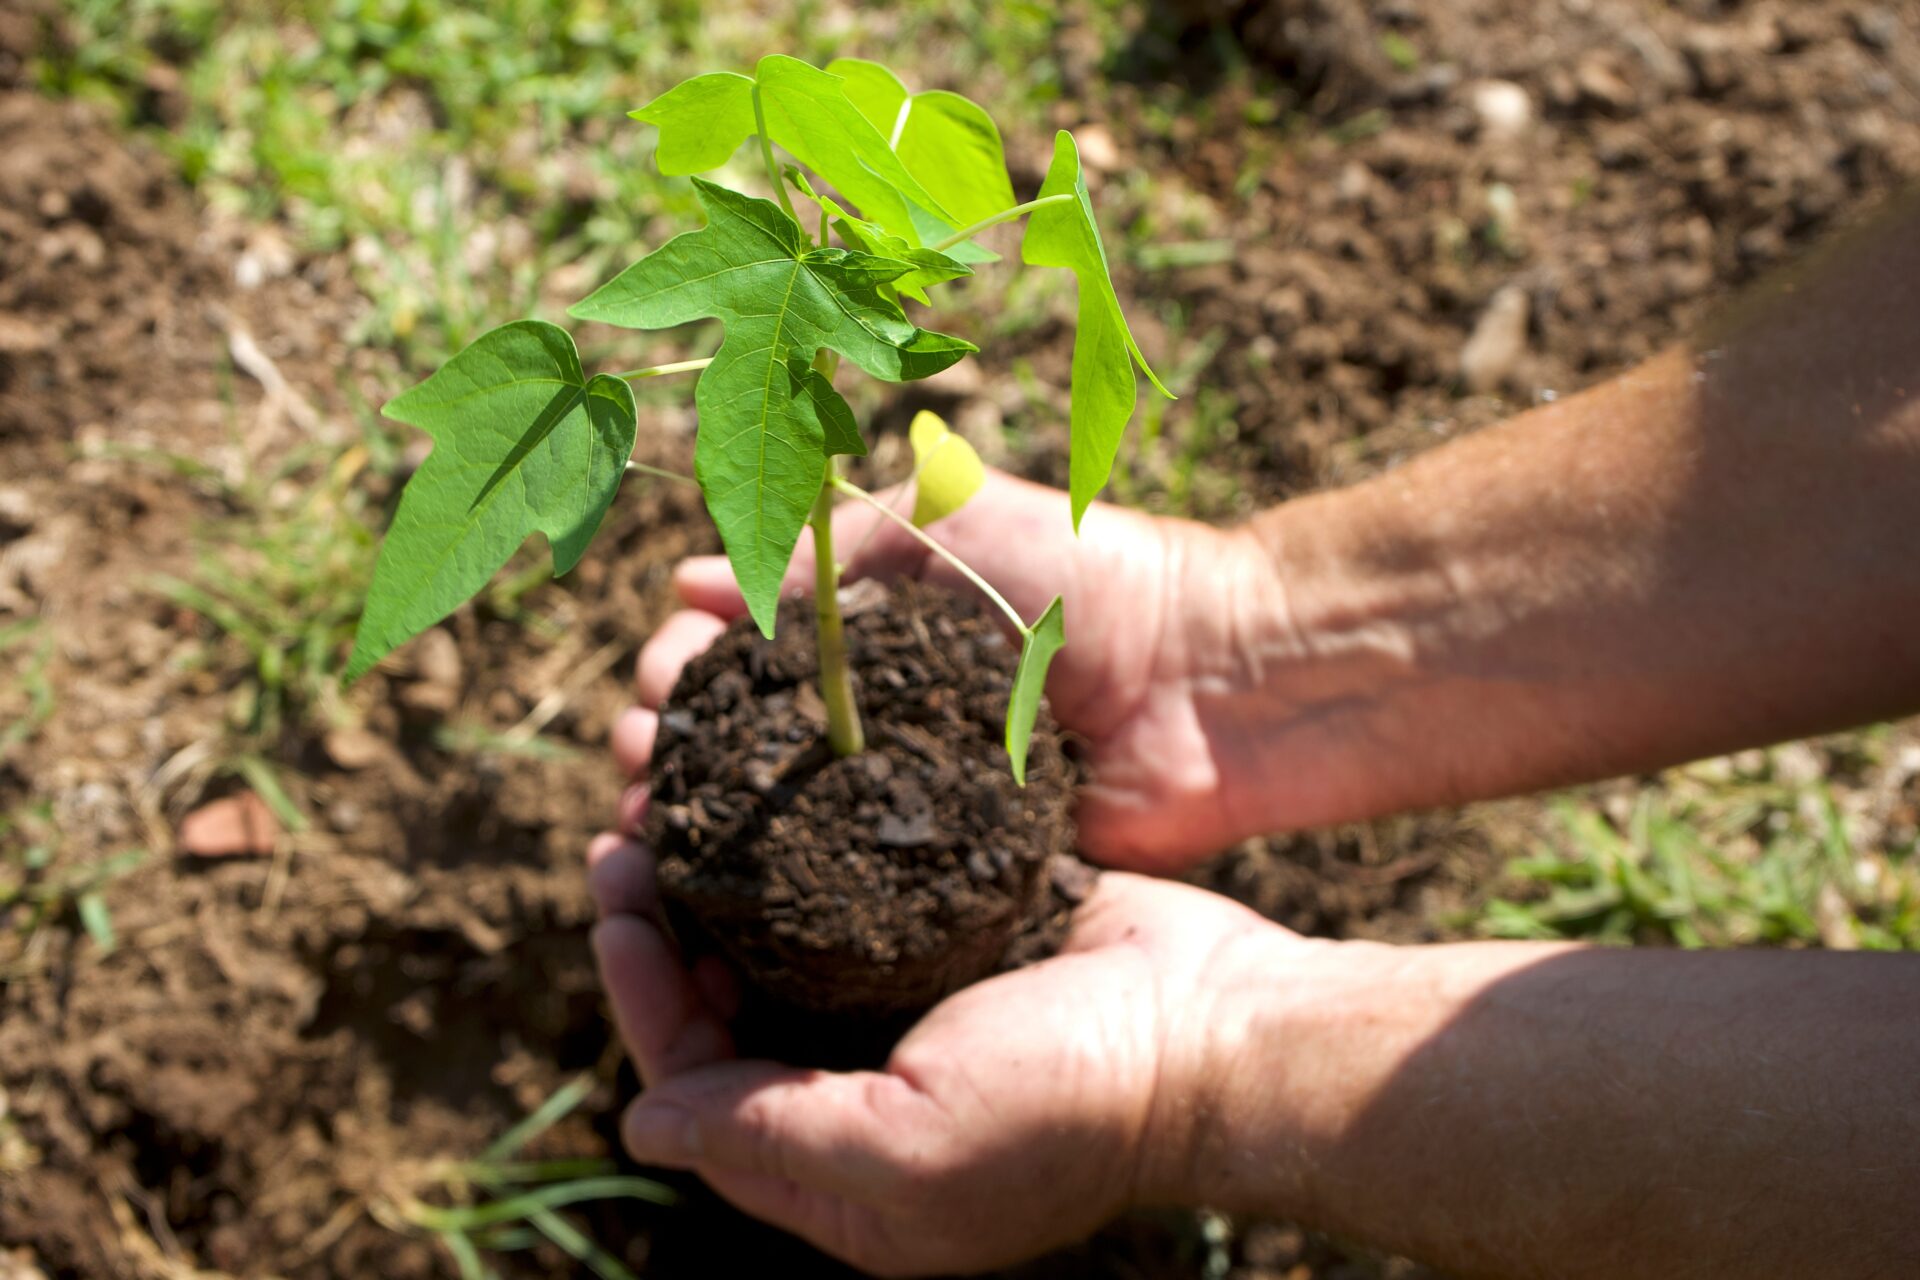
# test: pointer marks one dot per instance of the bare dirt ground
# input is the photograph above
(279, 1041)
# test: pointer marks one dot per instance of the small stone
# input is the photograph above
(896, 832)
(237, 826)
(1098, 151)
(1504, 108)
(354, 747)
(1603, 87)
(1499, 340)
(1876, 28)
(21, 336)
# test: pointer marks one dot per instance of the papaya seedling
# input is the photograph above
(526, 441)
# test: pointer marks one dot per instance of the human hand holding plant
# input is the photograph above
(1020, 1114)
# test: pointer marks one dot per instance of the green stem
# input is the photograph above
(662, 370)
(994, 220)
(766, 154)
(836, 680)
(660, 472)
(966, 571)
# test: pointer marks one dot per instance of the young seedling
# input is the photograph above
(526, 441)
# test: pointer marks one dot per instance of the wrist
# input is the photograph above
(1300, 1032)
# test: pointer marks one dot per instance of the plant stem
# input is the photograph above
(836, 680)
(855, 491)
(660, 472)
(994, 220)
(661, 370)
(766, 154)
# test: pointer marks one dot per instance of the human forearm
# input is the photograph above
(1517, 1110)
(1710, 552)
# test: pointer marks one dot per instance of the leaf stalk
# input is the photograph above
(662, 370)
(766, 154)
(965, 570)
(994, 220)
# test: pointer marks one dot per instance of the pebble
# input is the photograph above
(1499, 340)
(1504, 108)
(239, 825)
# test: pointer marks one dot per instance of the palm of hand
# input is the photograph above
(1019, 1114)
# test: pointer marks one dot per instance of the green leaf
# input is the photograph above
(702, 122)
(931, 267)
(947, 142)
(524, 443)
(1066, 235)
(947, 472)
(809, 116)
(765, 424)
(1043, 639)
(839, 432)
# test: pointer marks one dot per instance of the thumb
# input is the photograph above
(844, 1134)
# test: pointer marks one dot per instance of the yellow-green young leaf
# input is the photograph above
(1045, 638)
(702, 122)
(1066, 235)
(809, 116)
(766, 425)
(947, 471)
(947, 142)
(523, 443)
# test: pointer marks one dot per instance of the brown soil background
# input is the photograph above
(278, 1042)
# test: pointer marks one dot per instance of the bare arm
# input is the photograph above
(1716, 550)
(1519, 1110)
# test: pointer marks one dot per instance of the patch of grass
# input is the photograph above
(42, 885)
(282, 580)
(500, 1202)
(1730, 853)
(27, 697)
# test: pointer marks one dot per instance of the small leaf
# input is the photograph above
(762, 449)
(524, 443)
(702, 122)
(96, 920)
(1044, 639)
(1066, 235)
(838, 430)
(948, 471)
(931, 267)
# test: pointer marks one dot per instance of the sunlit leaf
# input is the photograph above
(1104, 352)
(524, 443)
(764, 422)
(1043, 640)
(931, 267)
(947, 471)
(809, 116)
(947, 142)
(702, 122)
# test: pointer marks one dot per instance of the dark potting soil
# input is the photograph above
(854, 893)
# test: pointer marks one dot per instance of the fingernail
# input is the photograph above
(662, 1134)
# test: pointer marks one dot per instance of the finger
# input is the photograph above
(633, 809)
(633, 735)
(679, 639)
(620, 876)
(706, 583)
(665, 1025)
(838, 1133)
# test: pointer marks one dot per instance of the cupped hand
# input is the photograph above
(1165, 620)
(1019, 1115)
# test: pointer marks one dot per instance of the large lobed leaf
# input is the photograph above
(767, 419)
(1104, 352)
(524, 443)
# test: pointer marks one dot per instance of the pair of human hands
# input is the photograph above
(1024, 1111)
